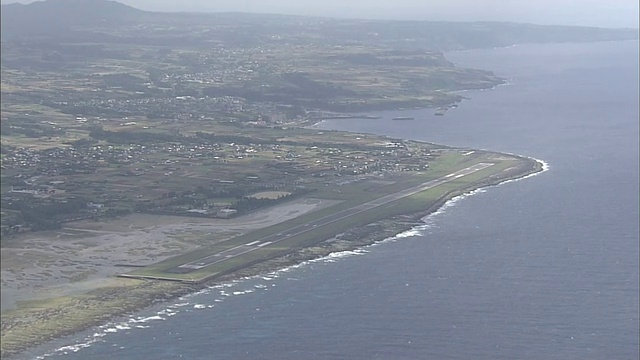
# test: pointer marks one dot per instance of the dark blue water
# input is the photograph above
(543, 268)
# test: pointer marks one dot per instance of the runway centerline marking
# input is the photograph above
(328, 219)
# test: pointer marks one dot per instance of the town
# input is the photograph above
(193, 174)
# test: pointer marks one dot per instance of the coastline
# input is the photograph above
(36, 323)
(120, 296)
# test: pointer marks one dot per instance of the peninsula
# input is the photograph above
(147, 155)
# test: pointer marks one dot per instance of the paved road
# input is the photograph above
(327, 220)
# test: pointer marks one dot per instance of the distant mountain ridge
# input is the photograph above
(80, 21)
(44, 17)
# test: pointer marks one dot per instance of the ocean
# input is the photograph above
(541, 268)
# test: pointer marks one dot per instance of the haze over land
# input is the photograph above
(599, 13)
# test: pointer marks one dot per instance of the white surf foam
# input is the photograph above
(223, 285)
(545, 167)
(142, 322)
(416, 231)
(333, 257)
(243, 292)
(73, 348)
(146, 319)
(419, 229)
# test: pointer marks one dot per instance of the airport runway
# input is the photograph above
(324, 221)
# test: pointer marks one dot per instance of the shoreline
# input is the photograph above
(72, 314)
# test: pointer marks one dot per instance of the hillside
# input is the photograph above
(57, 17)
(78, 20)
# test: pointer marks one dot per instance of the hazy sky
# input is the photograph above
(603, 13)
